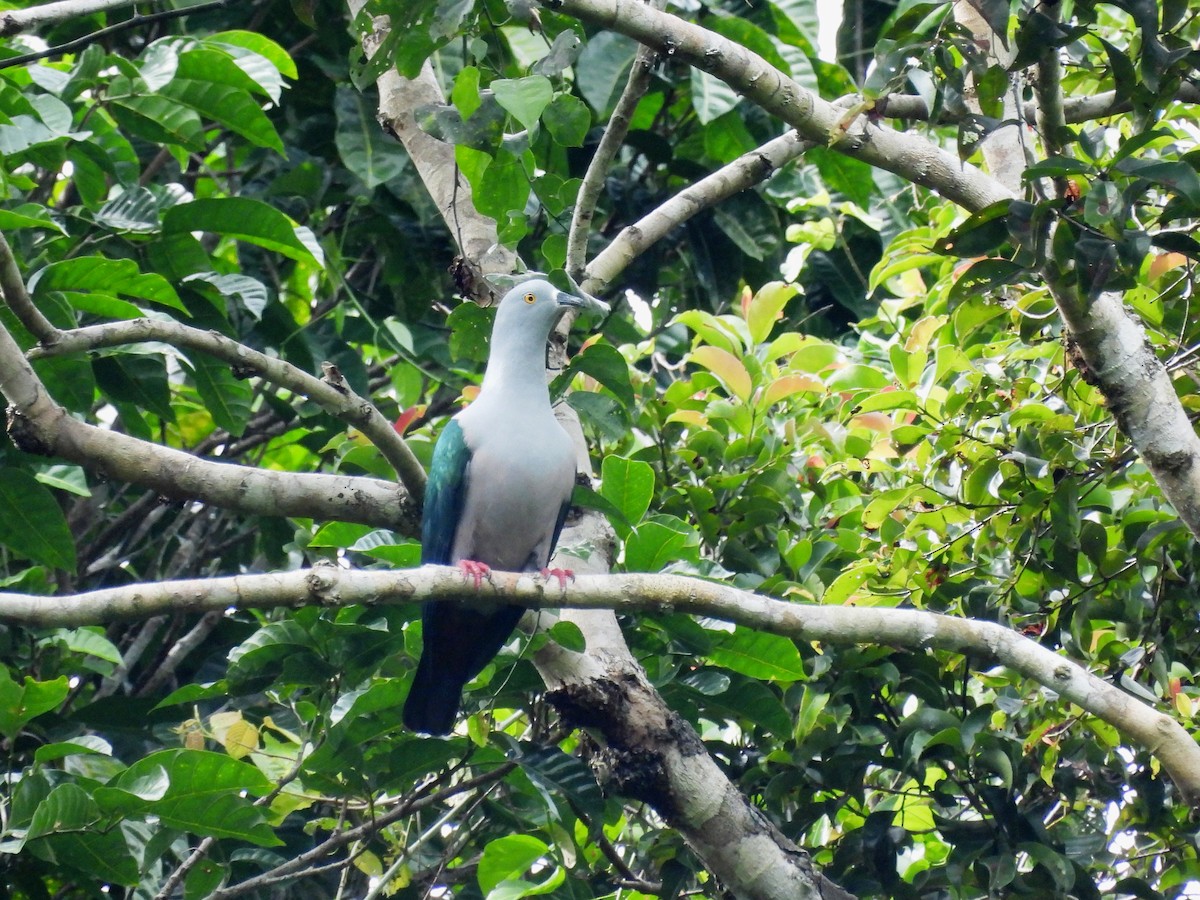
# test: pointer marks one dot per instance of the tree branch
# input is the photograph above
(913, 629)
(38, 425)
(474, 233)
(335, 398)
(909, 155)
(1075, 109)
(606, 152)
(133, 21)
(12, 285)
(744, 172)
(14, 21)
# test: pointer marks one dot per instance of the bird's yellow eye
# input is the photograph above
(530, 298)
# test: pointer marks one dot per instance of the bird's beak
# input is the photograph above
(582, 301)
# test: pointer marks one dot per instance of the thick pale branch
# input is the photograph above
(399, 98)
(13, 21)
(12, 285)
(606, 152)
(1075, 109)
(336, 399)
(908, 155)
(739, 175)
(333, 586)
(39, 425)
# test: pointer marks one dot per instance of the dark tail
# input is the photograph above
(457, 642)
(432, 703)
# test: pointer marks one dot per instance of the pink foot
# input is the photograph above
(561, 574)
(476, 571)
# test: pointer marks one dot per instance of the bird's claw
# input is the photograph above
(475, 571)
(561, 574)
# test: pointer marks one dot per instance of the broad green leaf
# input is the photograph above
(250, 293)
(605, 363)
(759, 655)
(524, 98)
(508, 858)
(68, 808)
(228, 107)
(28, 215)
(65, 478)
(140, 379)
(89, 641)
(628, 484)
(246, 220)
(160, 120)
(652, 546)
(602, 69)
(102, 855)
(711, 97)
(84, 744)
(564, 776)
(259, 44)
(21, 703)
(503, 187)
(31, 522)
(105, 276)
(226, 398)
(207, 794)
(568, 120)
(364, 148)
(340, 534)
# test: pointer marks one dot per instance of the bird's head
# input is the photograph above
(534, 306)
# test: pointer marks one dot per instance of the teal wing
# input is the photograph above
(445, 492)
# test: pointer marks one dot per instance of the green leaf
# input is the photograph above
(246, 220)
(568, 120)
(31, 522)
(68, 808)
(711, 97)
(229, 107)
(628, 484)
(140, 379)
(470, 331)
(1175, 175)
(101, 855)
(759, 655)
(731, 370)
(340, 534)
(602, 69)
(206, 794)
(367, 152)
(508, 858)
(85, 744)
(652, 546)
(503, 187)
(89, 641)
(259, 44)
(564, 776)
(605, 363)
(20, 703)
(568, 636)
(227, 399)
(524, 98)
(28, 215)
(250, 293)
(766, 307)
(105, 276)
(159, 120)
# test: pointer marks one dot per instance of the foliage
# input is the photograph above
(816, 399)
